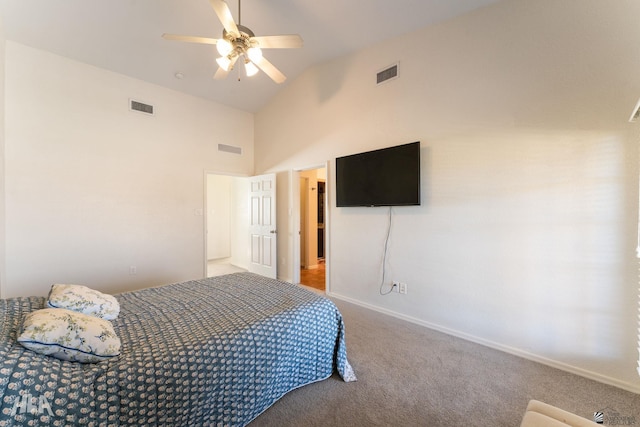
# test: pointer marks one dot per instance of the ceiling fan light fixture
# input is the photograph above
(238, 42)
(224, 47)
(250, 68)
(255, 54)
(224, 62)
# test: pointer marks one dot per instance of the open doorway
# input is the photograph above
(240, 224)
(226, 222)
(313, 228)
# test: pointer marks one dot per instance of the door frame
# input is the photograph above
(295, 193)
(304, 219)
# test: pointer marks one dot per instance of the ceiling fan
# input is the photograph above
(240, 43)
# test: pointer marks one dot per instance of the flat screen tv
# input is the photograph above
(385, 177)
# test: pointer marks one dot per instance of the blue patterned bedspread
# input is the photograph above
(211, 352)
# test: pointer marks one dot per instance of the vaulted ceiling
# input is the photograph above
(124, 36)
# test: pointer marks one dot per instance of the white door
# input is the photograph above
(262, 225)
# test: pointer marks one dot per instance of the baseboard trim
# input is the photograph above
(497, 346)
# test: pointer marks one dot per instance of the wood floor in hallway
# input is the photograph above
(314, 278)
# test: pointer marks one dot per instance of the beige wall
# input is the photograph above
(525, 239)
(93, 189)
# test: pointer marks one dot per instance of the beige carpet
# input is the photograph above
(412, 376)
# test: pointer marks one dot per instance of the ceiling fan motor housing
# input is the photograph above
(241, 42)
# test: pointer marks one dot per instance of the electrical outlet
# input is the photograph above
(133, 270)
(402, 288)
(396, 287)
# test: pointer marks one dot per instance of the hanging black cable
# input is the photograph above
(384, 258)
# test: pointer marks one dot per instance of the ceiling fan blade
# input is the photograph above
(221, 73)
(224, 15)
(190, 39)
(270, 70)
(286, 41)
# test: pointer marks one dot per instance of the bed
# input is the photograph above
(216, 351)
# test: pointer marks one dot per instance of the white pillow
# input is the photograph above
(69, 335)
(84, 300)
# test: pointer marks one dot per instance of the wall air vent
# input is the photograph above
(389, 73)
(229, 149)
(636, 113)
(140, 107)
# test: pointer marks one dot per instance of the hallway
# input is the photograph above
(314, 278)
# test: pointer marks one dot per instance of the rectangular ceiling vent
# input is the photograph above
(229, 149)
(636, 113)
(389, 73)
(141, 107)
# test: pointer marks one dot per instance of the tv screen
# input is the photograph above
(385, 177)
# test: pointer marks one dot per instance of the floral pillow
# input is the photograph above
(84, 300)
(69, 335)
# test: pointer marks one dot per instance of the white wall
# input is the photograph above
(219, 216)
(93, 188)
(228, 210)
(287, 224)
(525, 237)
(240, 220)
